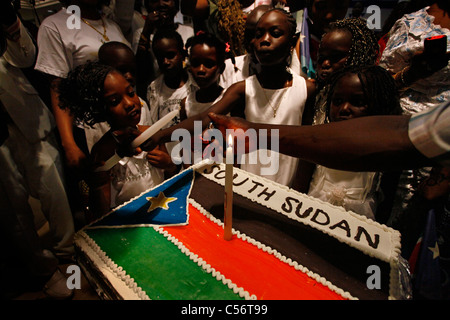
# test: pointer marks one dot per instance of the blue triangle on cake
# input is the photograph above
(165, 204)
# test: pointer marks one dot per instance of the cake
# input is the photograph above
(167, 243)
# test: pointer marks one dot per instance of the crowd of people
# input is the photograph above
(299, 66)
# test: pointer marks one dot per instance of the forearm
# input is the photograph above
(99, 194)
(364, 144)
(232, 99)
(64, 121)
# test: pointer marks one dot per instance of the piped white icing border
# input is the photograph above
(205, 266)
(392, 236)
(124, 284)
(276, 254)
(394, 290)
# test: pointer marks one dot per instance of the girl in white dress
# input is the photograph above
(93, 93)
(355, 92)
(274, 95)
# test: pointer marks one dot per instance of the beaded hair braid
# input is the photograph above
(378, 87)
(82, 93)
(365, 48)
(231, 24)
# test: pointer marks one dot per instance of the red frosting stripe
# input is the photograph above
(265, 275)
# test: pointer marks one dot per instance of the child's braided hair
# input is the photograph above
(378, 86)
(231, 25)
(82, 93)
(364, 49)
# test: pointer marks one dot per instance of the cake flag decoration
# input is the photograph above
(164, 205)
(161, 201)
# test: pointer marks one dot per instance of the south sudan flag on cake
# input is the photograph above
(168, 243)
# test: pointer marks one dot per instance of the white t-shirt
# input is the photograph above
(259, 107)
(62, 49)
(163, 100)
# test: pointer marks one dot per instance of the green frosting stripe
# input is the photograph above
(151, 260)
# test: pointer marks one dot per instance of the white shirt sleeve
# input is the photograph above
(429, 131)
(52, 58)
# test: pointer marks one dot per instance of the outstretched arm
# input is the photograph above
(377, 143)
(232, 99)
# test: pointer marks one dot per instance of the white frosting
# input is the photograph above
(119, 279)
(388, 248)
(205, 266)
(257, 189)
(276, 254)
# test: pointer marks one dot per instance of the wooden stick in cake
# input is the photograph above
(228, 205)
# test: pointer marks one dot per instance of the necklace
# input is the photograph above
(105, 37)
(278, 104)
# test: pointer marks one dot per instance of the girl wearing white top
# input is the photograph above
(274, 41)
(112, 98)
(355, 92)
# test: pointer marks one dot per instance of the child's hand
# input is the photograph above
(124, 137)
(160, 159)
(151, 143)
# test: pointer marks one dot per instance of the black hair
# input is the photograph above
(378, 86)
(292, 23)
(82, 92)
(164, 33)
(364, 49)
(210, 40)
(112, 45)
(177, 4)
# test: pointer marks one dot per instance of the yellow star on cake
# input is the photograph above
(161, 201)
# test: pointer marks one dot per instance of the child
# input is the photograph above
(259, 98)
(355, 92)
(206, 64)
(349, 42)
(119, 56)
(172, 86)
(94, 93)
(167, 91)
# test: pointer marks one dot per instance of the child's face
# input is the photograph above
(272, 39)
(124, 104)
(169, 58)
(333, 52)
(166, 10)
(348, 100)
(204, 65)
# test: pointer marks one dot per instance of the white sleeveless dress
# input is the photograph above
(355, 191)
(283, 106)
